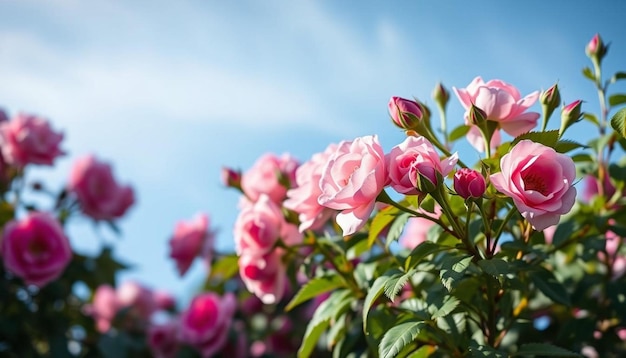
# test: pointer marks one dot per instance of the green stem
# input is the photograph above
(508, 216)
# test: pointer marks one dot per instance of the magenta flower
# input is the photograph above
(28, 139)
(191, 239)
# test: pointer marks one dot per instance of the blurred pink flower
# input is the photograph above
(206, 322)
(502, 103)
(28, 139)
(35, 248)
(99, 194)
(191, 239)
(540, 182)
(303, 198)
(163, 339)
(264, 275)
(352, 179)
(265, 177)
(412, 157)
(416, 229)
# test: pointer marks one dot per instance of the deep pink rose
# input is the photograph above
(206, 322)
(265, 177)
(469, 183)
(414, 156)
(104, 307)
(502, 103)
(28, 139)
(264, 275)
(539, 180)
(35, 248)
(99, 194)
(163, 339)
(352, 179)
(404, 113)
(303, 198)
(191, 239)
(259, 226)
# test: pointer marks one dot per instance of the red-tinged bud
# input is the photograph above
(570, 114)
(476, 116)
(441, 95)
(231, 178)
(596, 49)
(550, 100)
(469, 183)
(405, 113)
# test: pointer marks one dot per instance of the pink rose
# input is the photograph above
(548, 233)
(352, 179)
(469, 183)
(104, 307)
(303, 198)
(414, 156)
(416, 229)
(99, 194)
(539, 180)
(405, 113)
(259, 226)
(191, 239)
(502, 103)
(35, 248)
(265, 177)
(206, 322)
(264, 275)
(138, 298)
(28, 139)
(163, 339)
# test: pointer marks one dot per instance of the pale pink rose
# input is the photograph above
(259, 226)
(548, 233)
(303, 198)
(475, 138)
(163, 339)
(99, 194)
(28, 139)
(416, 229)
(469, 183)
(265, 177)
(138, 299)
(502, 103)
(264, 275)
(104, 307)
(540, 182)
(352, 179)
(191, 239)
(35, 248)
(206, 322)
(414, 156)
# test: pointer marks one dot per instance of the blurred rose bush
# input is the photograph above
(356, 252)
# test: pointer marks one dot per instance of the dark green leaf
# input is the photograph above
(618, 76)
(545, 282)
(494, 266)
(544, 350)
(617, 99)
(315, 287)
(564, 146)
(420, 251)
(372, 295)
(422, 352)
(398, 337)
(564, 231)
(589, 74)
(582, 158)
(548, 138)
(458, 132)
(618, 122)
(453, 269)
(486, 352)
(448, 306)
(396, 282)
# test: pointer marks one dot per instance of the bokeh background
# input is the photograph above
(171, 91)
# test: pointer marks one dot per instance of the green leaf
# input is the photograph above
(380, 222)
(448, 306)
(589, 74)
(458, 132)
(315, 287)
(564, 231)
(397, 227)
(591, 118)
(618, 122)
(422, 352)
(372, 295)
(486, 352)
(582, 158)
(396, 282)
(399, 337)
(420, 251)
(224, 268)
(544, 350)
(453, 270)
(564, 146)
(321, 320)
(548, 138)
(617, 99)
(618, 76)
(494, 266)
(546, 282)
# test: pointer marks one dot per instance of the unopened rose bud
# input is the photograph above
(596, 49)
(441, 95)
(550, 100)
(405, 113)
(469, 183)
(476, 116)
(231, 178)
(570, 114)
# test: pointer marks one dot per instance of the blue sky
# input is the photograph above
(171, 91)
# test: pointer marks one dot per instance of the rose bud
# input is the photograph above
(231, 177)
(550, 99)
(596, 49)
(469, 183)
(570, 114)
(405, 113)
(441, 95)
